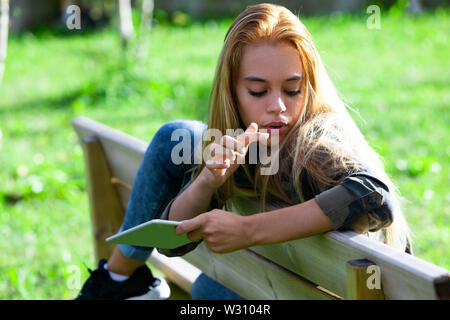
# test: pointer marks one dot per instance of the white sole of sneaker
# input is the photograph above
(161, 292)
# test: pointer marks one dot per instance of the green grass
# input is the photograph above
(395, 77)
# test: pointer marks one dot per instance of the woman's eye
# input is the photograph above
(261, 93)
(257, 93)
(292, 93)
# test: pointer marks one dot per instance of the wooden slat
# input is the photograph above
(123, 190)
(322, 259)
(442, 286)
(362, 282)
(124, 152)
(254, 277)
(106, 210)
(177, 270)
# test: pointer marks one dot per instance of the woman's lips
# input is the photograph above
(275, 128)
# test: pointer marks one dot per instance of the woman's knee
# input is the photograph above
(170, 131)
(174, 143)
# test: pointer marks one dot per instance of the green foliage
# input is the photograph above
(394, 77)
(398, 8)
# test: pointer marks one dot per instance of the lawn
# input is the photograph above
(396, 77)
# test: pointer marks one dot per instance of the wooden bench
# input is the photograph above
(335, 265)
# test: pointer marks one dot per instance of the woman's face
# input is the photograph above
(269, 87)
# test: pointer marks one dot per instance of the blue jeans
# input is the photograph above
(158, 181)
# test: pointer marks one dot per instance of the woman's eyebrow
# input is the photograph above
(293, 78)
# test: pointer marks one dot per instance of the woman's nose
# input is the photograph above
(276, 105)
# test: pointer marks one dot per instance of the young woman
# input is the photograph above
(269, 76)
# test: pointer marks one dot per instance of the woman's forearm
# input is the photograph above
(225, 231)
(192, 201)
(294, 222)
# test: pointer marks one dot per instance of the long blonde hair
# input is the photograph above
(325, 141)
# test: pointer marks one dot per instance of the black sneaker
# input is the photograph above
(141, 285)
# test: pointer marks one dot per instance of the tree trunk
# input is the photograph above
(126, 22)
(146, 26)
(415, 6)
(4, 25)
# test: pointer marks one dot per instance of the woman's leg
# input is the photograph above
(158, 180)
(205, 288)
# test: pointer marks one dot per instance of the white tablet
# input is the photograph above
(154, 233)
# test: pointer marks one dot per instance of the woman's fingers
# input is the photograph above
(192, 227)
(248, 138)
(252, 135)
(189, 225)
(195, 235)
(213, 164)
(220, 161)
(230, 148)
(233, 144)
(220, 153)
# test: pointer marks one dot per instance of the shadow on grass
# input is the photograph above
(63, 101)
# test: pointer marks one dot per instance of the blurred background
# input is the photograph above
(134, 65)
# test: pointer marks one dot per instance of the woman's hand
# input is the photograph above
(228, 155)
(221, 230)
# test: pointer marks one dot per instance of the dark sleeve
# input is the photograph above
(182, 250)
(360, 202)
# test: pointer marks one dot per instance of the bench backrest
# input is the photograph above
(334, 265)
